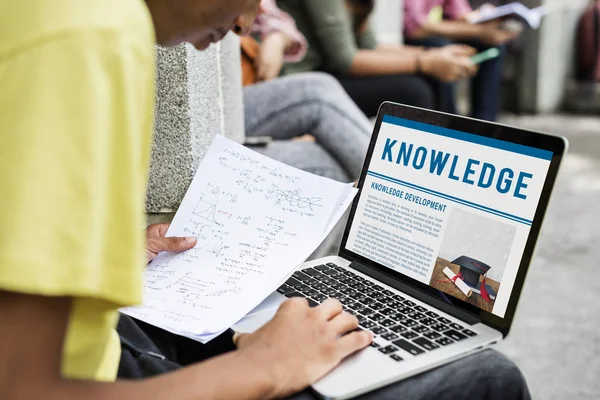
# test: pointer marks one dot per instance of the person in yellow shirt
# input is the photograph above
(76, 112)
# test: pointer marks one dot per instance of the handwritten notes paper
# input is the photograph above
(256, 221)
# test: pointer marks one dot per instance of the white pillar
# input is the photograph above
(548, 57)
(387, 21)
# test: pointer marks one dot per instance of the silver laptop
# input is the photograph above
(436, 247)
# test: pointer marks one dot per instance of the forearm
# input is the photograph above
(232, 376)
(377, 63)
(279, 40)
(457, 30)
(406, 50)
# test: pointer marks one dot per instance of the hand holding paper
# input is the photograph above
(256, 221)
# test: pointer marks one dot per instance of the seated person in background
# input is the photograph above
(369, 72)
(421, 28)
(291, 107)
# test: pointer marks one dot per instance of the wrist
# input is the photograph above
(483, 32)
(266, 380)
(423, 62)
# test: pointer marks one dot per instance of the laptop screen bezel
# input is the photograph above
(555, 144)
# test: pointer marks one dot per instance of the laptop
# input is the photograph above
(436, 247)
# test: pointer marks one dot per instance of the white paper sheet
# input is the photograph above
(256, 221)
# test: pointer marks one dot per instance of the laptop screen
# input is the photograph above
(451, 209)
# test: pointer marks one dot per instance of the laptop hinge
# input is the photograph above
(411, 291)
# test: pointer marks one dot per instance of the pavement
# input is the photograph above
(555, 338)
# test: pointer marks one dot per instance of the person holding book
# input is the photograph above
(76, 122)
(438, 23)
(342, 45)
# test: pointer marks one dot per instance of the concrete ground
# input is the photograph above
(556, 334)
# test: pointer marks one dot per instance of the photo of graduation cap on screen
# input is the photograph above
(471, 271)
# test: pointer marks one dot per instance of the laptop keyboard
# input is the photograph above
(397, 323)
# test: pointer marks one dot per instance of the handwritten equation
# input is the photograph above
(255, 219)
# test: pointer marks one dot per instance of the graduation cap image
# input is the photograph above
(471, 270)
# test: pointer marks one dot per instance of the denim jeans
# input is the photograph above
(310, 103)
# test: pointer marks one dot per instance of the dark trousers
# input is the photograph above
(149, 351)
(369, 92)
(485, 86)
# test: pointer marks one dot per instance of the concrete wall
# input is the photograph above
(548, 57)
(198, 96)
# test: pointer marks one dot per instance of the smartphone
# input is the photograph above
(257, 141)
(484, 56)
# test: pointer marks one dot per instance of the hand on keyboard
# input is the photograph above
(302, 344)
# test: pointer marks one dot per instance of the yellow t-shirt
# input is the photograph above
(76, 116)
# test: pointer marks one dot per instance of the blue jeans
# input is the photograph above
(485, 86)
(313, 103)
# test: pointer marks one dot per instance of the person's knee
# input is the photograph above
(497, 374)
(426, 98)
(322, 85)
(423, 95)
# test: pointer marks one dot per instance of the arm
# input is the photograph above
(280, 40)
(458, 30)
(490, 33)
(455, 27)
(447, 64)
(298, 347)
(376, 63)
(272, 24)
(400, 48)
(418, 26)
(333, 29)
(31, 337)
(334, 32)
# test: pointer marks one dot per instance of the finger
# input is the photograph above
(330, 308)
(468, 67)
(466, 50)
(294, 303)
(162, 229)
(353, 342)
(472, 70)
(343, 323)
(175, 244)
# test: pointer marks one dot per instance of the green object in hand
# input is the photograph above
(485, 55)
